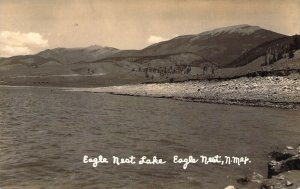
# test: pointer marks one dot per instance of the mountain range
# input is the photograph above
(181, 58)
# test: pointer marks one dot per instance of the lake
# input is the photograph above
(45, 132)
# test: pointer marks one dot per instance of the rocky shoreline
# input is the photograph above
(271, 91)
(283, 172)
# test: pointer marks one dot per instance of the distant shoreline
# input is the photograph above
(272, 91)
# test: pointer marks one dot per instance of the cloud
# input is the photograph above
(155, 39)
(16, 43)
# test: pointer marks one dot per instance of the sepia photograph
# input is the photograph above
(149, 94)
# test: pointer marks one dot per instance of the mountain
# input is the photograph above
(220, 46)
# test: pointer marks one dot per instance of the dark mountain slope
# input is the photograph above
(221, 46)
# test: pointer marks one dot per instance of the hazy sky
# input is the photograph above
(28, 26)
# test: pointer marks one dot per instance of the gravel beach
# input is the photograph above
(272, 91)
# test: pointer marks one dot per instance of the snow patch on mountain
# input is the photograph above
(243, 29)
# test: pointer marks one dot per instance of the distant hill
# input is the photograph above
(62, 56)
(73, 55)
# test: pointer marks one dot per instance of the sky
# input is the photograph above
(29, 26)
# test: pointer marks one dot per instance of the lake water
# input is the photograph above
(45, 132)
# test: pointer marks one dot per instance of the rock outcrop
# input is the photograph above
(286, 160)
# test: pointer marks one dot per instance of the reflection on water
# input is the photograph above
(44, 134)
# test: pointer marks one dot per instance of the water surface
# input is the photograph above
(44, 133)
